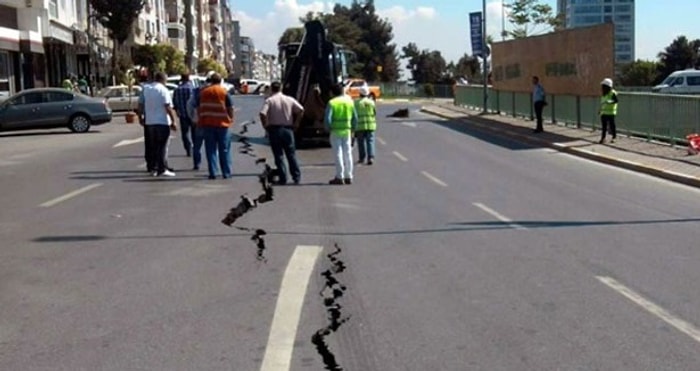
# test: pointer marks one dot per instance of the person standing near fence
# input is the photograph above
(539, 100)
(608, 110)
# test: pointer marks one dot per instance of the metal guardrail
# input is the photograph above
(663, 117)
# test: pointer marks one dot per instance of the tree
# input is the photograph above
(360, 29)
(160, 57)
(208, 64)
(530, 17)
(117, 17)
(681, 54)
(291, 35)
(426, 66)
(640, 73)
(467, 66)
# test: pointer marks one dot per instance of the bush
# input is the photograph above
(429, 90)
(208, 64)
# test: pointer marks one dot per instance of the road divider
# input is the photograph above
(400, 156)
(499, 216)
(285, 321)
(70, 195)
(678, 323)
(433, 178)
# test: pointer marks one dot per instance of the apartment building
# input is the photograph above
(203, 27)
(177, 31)
(247, 57)
(93, 45)
(581, 13)
(236, 48)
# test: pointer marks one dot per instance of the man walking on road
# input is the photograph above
(539, 99)
(280, 116)
(216, 115)
(608, 110)
(157, 116)
(366, 126)
(180, 97)
(198, 138)
(341, 119)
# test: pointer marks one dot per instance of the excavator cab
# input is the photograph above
(310, 68)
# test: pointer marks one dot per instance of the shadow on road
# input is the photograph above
(16, 134)
(458, 227)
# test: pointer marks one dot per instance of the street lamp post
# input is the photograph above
(484, 57)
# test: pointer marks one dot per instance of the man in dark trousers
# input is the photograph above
(157, 116)
(180, 97)
(539, 99)
(608, 110)
(280, 116)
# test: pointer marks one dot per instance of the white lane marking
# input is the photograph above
(142, 166)
(280, 342)
(400, 156)
(70, 195)
(409, 124)
(127, 142)
(499, 216)
(381, 141)
(435, 179)
(680, 324)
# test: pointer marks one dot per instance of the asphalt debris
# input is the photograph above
(400, 113)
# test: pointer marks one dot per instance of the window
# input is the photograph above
(677, 81)
(53, 8)
(56, 96)
(29, 98)
(608, 8)
(694, 80)
(356, 84)
(116, 93)
(6, 75)
(587, 10)
(623, 18)
(623, 8)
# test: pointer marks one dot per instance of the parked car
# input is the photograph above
(352, 87)
(120, 98)
(680, 82)
(45, 108)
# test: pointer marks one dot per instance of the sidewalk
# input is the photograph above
(653, 158)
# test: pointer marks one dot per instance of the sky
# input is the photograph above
(443, 25)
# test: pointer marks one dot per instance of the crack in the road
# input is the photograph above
(246, 204)
(331, 292)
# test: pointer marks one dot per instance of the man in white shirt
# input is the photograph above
(157, 116)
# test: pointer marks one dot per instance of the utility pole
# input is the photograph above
(189, 35)
(485, 57)
(91, 84)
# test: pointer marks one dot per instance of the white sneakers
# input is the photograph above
(167, 173)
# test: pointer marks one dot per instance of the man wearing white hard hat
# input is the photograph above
(366, 125)
(608, 110)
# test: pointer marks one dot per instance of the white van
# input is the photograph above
(680, 82)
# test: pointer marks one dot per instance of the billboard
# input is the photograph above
(572, 61)
(477, 36)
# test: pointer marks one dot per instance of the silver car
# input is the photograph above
(45, 108)
(119, 98)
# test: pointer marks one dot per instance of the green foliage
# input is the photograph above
(679, 55)
(429, 90)
(208, 64)
(160, 57)
(467, 66)
(362, 31)
(117, 17)
(640, 73)
(291, 35)
(531, 17)
(426, 66)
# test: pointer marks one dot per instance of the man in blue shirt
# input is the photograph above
(539, 100)
(180, 97)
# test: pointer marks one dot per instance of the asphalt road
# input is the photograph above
(457, 251)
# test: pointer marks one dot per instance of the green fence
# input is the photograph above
(405, 90)
(654, 116)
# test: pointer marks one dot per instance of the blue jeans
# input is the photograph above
(187, 133)
(282, 144)
(342, 151)
(198, 139)
(217, 143)
(365, 144)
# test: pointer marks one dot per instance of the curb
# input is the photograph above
(589, 155)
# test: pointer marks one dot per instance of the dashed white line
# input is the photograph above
(127, 142)
(499, 216)
(280, 342)
(400, 156)
(410, 124)
(433, 178)
(70, 195)
(680, 324)
(381, 141)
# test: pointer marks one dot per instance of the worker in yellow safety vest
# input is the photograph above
(341, 119)
(608, 110)
(366, 126)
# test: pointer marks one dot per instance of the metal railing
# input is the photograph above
(653, 116)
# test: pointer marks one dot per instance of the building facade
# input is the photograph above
(177, 31)
(236, 48)
(247, 57)
(591, 12)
